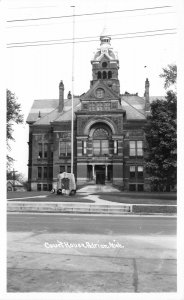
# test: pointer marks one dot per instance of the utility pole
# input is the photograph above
(14, 179)
(72, 120)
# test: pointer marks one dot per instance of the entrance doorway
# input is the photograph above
(100, 174)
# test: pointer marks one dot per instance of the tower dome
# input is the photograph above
(105, 47)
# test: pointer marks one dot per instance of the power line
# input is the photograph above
(91, 14)
(91, 37)
(49, 24)
(69, 42)
(31, 7)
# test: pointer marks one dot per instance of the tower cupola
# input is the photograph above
(105, 63)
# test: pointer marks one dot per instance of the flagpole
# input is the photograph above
(72, 119)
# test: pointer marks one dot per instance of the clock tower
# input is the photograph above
(105, 64)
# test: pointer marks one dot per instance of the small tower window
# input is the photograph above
(104, 75)
(109, 74)
(104, 64)
(99, 75)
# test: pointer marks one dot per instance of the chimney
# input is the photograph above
(69, 95)
(61, 96)
(146, 95)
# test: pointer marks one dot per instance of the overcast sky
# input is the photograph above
(34, 72)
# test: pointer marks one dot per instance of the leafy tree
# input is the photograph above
(162, 140)
(14, 116)
(170, 75)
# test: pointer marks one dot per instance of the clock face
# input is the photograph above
(100, 93)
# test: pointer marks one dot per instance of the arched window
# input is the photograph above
(109, 74)
(104, 75)
(99, 75)
(100, 142)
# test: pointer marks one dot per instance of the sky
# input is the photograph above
(34, 72)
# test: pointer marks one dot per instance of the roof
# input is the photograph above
(43, 112)
(134, 107)
(43, 106)
(14, 182)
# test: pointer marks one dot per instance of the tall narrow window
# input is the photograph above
(50, 172)
(39, 172)
(84, 148)
(104, 147)
(45, 152)
(65, 148)
(96, 147)
(39, 187)
(45, 172)
(62, 169)
(132, 148)
(132, 171)
(109, 74)
(40, 150)
(51, 150)
(100, 147)
(115, 147)
(139, 148)
(104, 75)
(62, 148)
(99, 75)
(69, 169)
(136, 148)
(140, 171)
(68, 148)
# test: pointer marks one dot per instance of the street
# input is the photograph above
(92, 224)
(89, 253)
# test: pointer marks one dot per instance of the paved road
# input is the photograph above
(67, 253)
(126, 225)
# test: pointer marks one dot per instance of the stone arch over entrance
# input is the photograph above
(99, 121)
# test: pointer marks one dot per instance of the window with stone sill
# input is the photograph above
(132, 171)
(100, 147)
(39, 172)
(140, 171)
(64, 148)
(62, 169)
(42, 150)
(45, 172)
(136, 148)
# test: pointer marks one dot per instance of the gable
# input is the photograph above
(91, 94)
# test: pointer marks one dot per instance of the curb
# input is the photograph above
(57, 207)
(68, 208)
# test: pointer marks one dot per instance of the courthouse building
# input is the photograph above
(109, 140)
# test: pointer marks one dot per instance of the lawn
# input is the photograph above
(24, 196)
(137, 199)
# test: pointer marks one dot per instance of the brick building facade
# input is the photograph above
(108, 131)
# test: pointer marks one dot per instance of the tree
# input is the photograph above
(14, 116)
(161, 140)
(170, 75)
